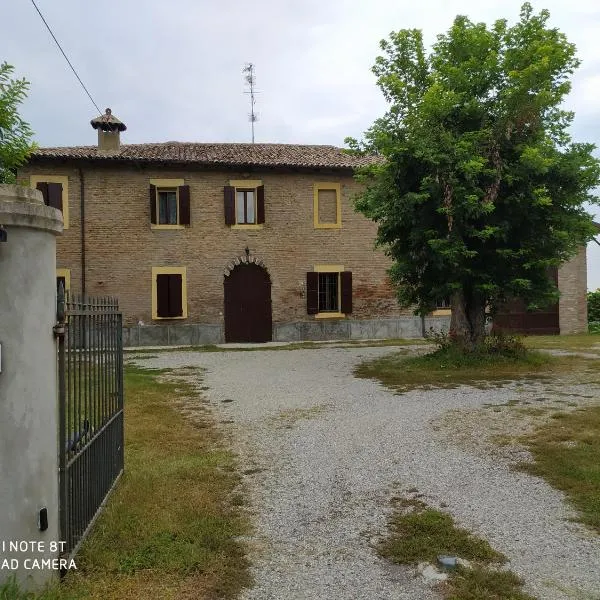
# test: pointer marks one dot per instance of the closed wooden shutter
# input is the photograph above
(312, 293)
(346, 292)
(162, 295)
(55, 195)
(42, 186)
(175, 300)
(184, 204)
(229, 201)
(153, 204)
(260, 204)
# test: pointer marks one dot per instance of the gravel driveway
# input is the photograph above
(324, 453)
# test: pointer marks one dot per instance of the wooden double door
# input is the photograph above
(248, 316)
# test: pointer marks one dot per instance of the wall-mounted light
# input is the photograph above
(302, 288)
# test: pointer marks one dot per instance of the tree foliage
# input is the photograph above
(480, 189)
(15, 134)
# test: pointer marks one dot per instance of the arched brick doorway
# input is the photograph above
(248, 315)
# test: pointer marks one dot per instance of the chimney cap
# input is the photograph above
(108, 122)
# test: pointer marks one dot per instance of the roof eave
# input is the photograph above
(116, 158)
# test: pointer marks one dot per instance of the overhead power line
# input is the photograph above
(66, 58)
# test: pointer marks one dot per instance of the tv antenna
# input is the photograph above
(250, 79)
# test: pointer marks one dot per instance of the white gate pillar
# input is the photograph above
(28, 384)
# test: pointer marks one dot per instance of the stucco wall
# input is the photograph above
(28, 380)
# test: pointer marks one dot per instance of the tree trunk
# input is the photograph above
(467, 320)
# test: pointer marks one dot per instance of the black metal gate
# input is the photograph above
(90, 366)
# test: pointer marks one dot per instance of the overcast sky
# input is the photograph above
(172, 70)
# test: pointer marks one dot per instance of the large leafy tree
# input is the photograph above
(15, 134)
(480, 189)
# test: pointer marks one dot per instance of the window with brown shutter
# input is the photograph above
(229, 204)
(169, 204)
(170, 294)
(42, 186)
(329, 291)
(346, 292)
(55, 195)
(153, 204)
(244, 203)
(162, 295)
(184, 204)
(260, 204)
(169, 301)
(52, 193)
(312, 293)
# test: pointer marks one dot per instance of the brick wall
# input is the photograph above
(121, 248)
(572, 283)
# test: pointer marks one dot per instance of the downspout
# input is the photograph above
(82, 227)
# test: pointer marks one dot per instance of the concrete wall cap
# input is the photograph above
(16, 193)
(24, 207)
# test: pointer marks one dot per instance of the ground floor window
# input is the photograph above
(329, 291)
(169, 293)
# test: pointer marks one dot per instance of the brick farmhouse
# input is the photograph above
(205, 243)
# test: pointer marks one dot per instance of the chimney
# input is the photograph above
(109, 129)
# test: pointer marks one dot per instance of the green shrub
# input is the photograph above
(593, 305)
(496, 344)
(594, 326)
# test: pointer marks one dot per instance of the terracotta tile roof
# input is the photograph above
(230, 155)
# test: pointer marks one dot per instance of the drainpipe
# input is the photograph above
(82, 226)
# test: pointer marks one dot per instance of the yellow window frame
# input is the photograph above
(169, 271)
(246, 184)
(317, 187)
(166, 185)
(66, 274)
(331, 269)
(64, 180)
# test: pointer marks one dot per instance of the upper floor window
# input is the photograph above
(327, 207)
(55, 191)
(169, 204)
(244, 203)
(167, 207)
(245, 206)
(63, 276)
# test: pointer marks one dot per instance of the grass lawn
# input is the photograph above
(417, 533)
(170, 528)
(567, 454)
(582, 341)
(446, 369)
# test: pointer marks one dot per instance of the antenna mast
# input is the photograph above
(249, 77)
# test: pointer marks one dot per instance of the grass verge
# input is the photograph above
(449, 367)
(170, 528)
(418, 533)
(566, 451)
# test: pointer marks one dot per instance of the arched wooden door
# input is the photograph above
(248, 305)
